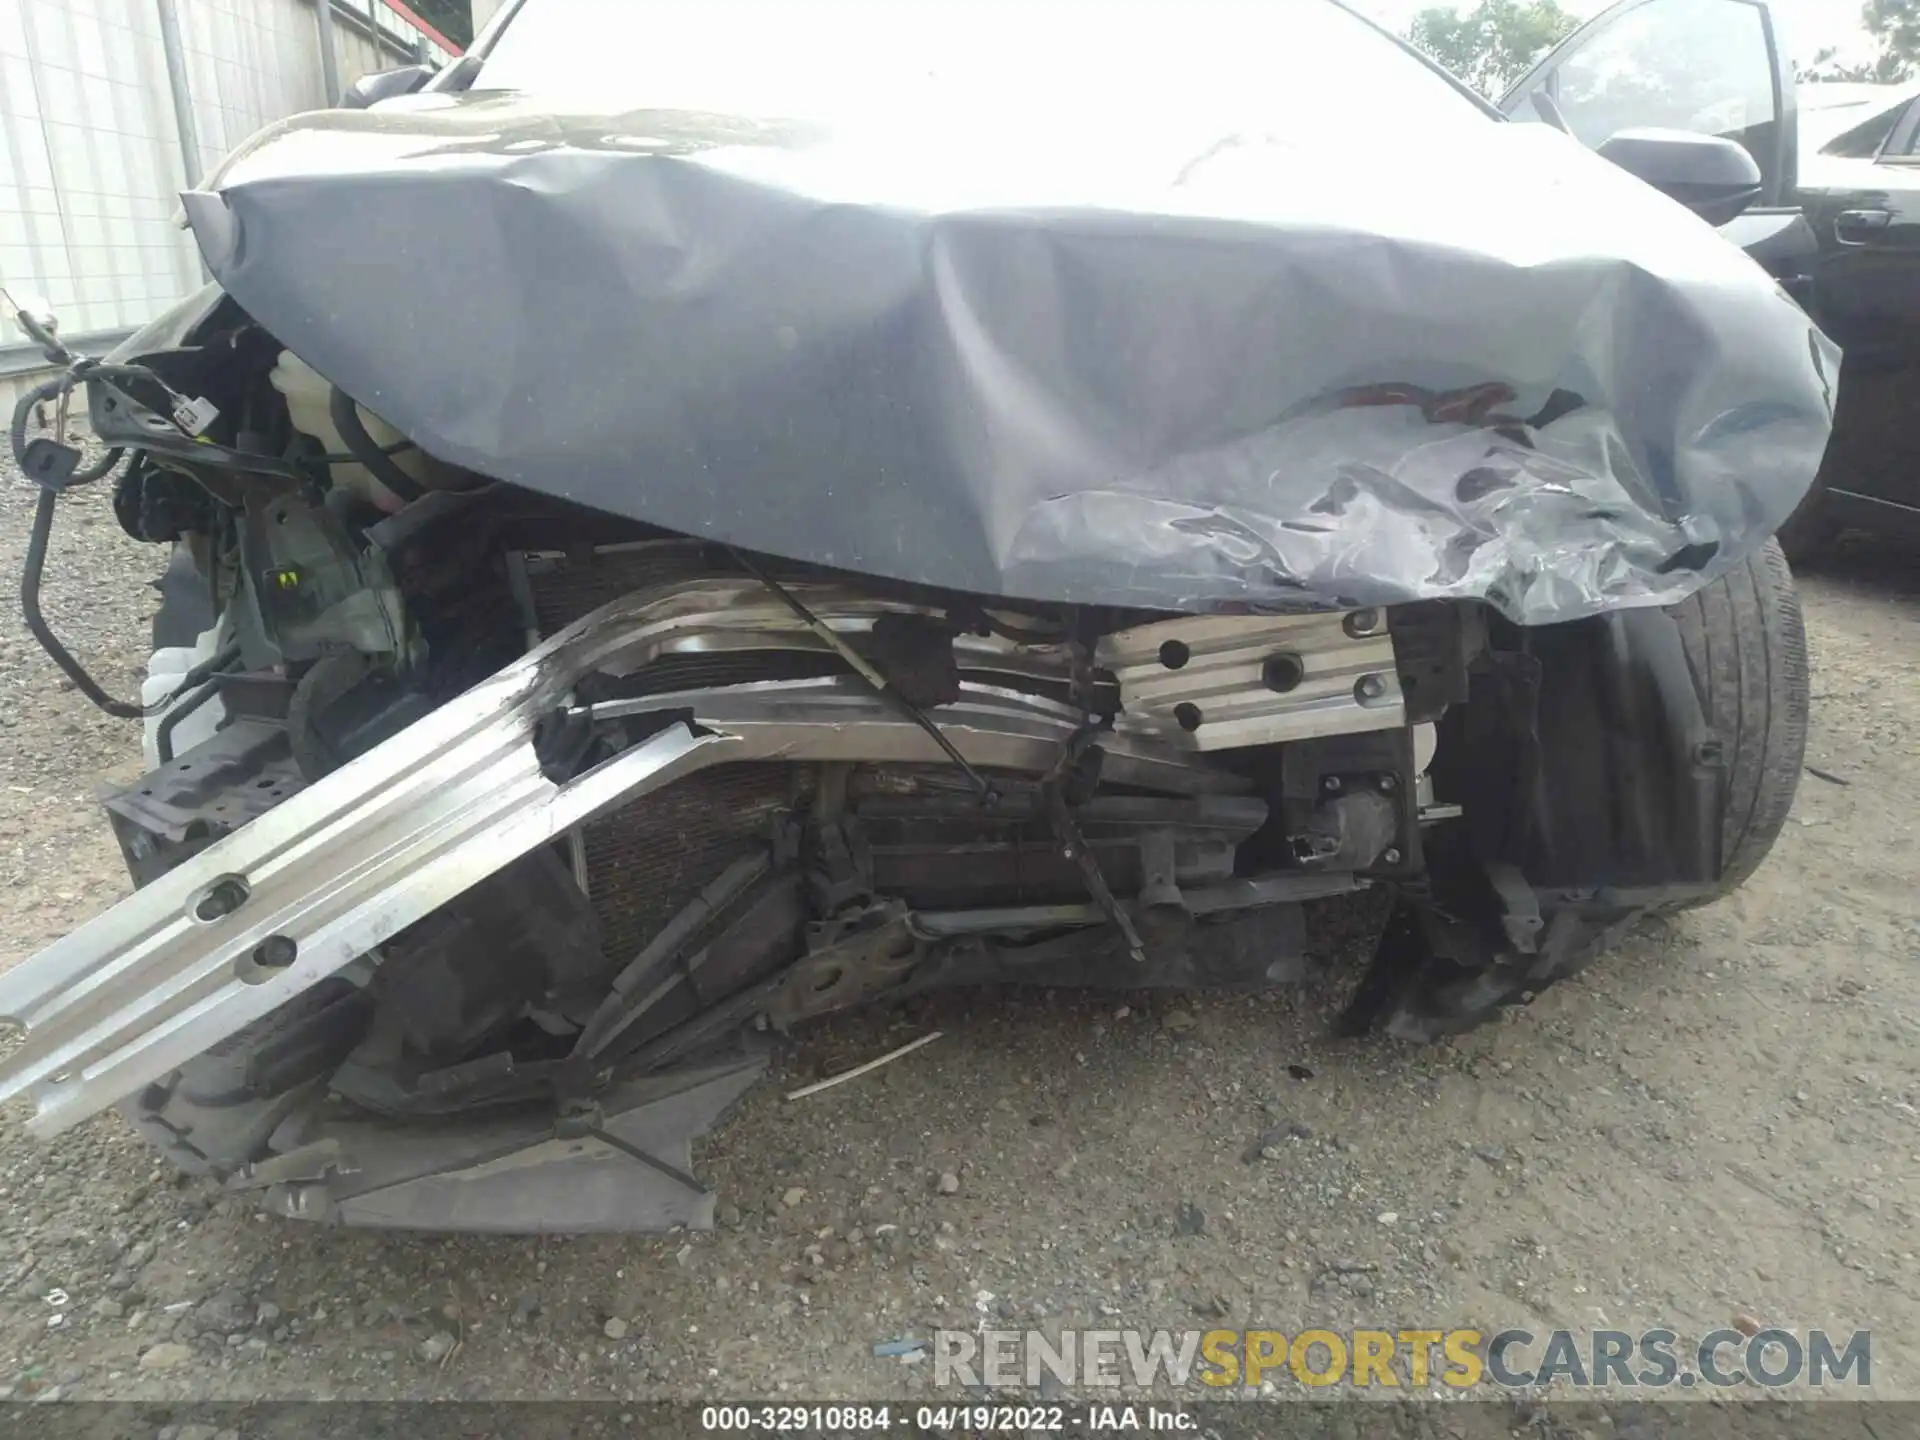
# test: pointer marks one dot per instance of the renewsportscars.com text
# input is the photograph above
(1656, 1359)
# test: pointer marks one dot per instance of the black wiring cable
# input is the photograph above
(211, 679)
(989, 797)
(38, 539)
(346, 419)
(46, 392)
(37, 623)
(341, 457)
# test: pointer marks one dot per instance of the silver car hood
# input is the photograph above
(1286, 371)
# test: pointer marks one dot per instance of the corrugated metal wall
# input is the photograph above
(90, 159)
(248, 63)
(89, 162)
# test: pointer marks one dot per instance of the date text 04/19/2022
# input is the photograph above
(972, 1419)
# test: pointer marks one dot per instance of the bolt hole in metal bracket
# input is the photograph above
(320, 880)
(1220, 682)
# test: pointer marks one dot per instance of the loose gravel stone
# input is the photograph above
(166, 1355)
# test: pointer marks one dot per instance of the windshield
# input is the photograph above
(1285, 66)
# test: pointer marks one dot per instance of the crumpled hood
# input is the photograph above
(1181, 374)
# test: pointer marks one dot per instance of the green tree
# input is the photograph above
(1885, 69)
(1493, 44)
(452, 18)
(1896, 25)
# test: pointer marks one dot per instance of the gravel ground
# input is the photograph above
(1719, 1120)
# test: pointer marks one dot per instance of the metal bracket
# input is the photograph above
(1519, 906)
(590, 1123)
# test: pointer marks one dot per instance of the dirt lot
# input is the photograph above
(1722, 1119)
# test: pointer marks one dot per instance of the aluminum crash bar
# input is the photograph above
(298, 894)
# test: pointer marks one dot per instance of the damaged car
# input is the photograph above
(671, 538)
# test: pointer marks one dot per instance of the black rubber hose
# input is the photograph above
(23, 407)
(37, 623)
(218, 661)
(30, 574)
(49, 390)
(342, 458)
(211, 686)
(346, 419)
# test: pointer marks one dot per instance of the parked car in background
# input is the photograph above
(1847, 157)
(1831, 108)
(1861, 193)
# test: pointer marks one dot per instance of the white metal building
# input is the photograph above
(110, 108)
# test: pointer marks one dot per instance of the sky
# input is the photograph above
(1808, 25)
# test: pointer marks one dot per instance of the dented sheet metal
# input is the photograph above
(1149, 365)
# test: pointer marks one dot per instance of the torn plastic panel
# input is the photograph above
(1277, 375)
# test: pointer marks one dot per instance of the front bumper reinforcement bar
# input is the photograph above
(303, 890)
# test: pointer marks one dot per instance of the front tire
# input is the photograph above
(1747, 646)
(1441, 969)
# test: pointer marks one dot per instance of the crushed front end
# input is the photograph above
(536, 739)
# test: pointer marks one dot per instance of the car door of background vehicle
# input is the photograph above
(1713, 67)
(1865, 210)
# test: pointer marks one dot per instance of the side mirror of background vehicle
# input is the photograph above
(1713, 177)
(384, 85)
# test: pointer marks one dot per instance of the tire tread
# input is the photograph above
(1746, 639)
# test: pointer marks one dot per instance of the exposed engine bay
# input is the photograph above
(489, 840)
